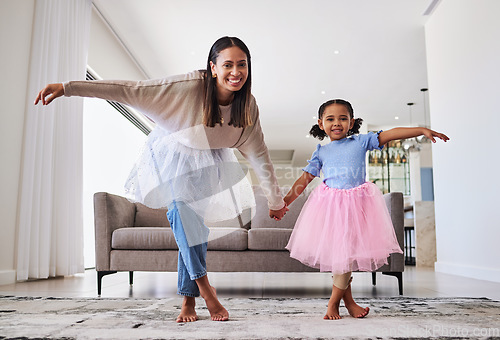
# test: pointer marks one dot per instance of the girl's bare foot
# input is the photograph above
(188, 313)
(332, 312)
(355, 310)
(217, 311)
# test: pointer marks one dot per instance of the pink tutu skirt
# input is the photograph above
(341, 230)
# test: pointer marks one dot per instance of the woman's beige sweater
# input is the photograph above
(176, 104)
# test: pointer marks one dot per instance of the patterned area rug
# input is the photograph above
(251, 318)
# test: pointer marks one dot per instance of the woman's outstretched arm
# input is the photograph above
(49, 93)
(408, 132)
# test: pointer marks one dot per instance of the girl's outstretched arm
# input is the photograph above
(298, 187)
(409, 132)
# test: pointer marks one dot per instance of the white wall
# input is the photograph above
(463, 50)
(16, 21)
(107, 56)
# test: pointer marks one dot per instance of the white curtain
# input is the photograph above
(50, 238)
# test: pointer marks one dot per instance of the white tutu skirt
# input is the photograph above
(211, 182)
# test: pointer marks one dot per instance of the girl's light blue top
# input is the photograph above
(343, 161)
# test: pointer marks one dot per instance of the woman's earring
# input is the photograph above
(214, 75)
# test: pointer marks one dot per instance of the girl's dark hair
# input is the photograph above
(240, 109)
(320, 134)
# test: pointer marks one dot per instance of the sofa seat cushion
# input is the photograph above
(143, 238)
(268, 238)
(221, 238)
(157, 238)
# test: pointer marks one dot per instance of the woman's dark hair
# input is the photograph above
(320, 134)
(240, 109)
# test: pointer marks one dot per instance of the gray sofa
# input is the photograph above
(132, 237)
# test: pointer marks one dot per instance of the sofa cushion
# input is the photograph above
(261, 217)
(147, 217)
(235, 222)
(268, 238)
(143, 238)
(228, 239)
(157, 238)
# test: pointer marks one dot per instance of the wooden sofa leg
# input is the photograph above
(374, 278)
(399, 276)
(131, 278)
(100, 275)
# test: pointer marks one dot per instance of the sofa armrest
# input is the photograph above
(110, 213)
(395, 205)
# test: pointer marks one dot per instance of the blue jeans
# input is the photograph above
(191, 264)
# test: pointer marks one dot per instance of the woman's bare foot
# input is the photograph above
(217, 311)
(188, 313)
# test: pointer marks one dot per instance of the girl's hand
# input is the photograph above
(431, 134)
(49, 93)
(278, 214)
(409, 132)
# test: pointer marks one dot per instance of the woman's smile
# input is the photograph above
(235, 82)
(231, 70)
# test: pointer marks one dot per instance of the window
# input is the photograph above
(111, 144)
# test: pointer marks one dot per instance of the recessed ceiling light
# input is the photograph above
(336, 52)
(323, 92)
(307, 136)
(396, 117)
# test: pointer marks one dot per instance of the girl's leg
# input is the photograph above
(192, 274)
(355, 310)
(340, 284)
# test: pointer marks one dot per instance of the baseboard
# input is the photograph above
(480, 273)
(7, 277)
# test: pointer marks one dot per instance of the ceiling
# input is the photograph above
(304, 52)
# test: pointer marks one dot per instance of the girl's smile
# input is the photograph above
(336, 121)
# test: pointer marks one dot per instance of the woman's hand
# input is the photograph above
(49, 93)
(278, 214)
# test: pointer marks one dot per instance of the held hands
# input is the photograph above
(49, 93)
(278, 214)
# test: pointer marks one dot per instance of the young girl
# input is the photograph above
(344, 226)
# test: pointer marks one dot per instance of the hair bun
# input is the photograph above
(316, 132)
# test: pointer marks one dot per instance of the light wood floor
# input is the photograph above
(417, 282)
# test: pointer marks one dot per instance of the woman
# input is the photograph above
(187, 164)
